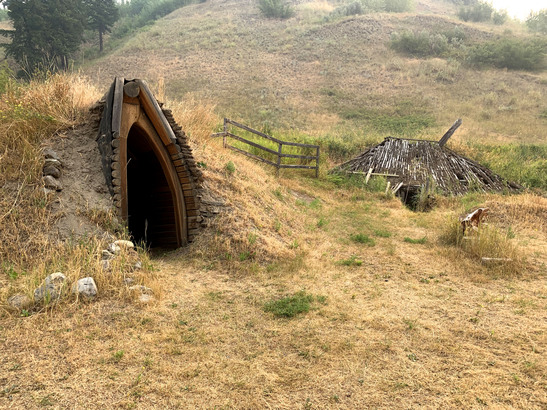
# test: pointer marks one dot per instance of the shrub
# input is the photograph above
(275, 9)
(480, 11)
(537, 22)
(419, 44)
(499, 17)
(397, 6)
(511, 53)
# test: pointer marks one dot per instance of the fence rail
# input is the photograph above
(225, 134)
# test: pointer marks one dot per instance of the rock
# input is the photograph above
(85, 287)
(53, 162)
(51, 289)
(113, 248)
(50, 154)
(52, 183)
(19, 301)
(51, 170)
(146, 298)
(124, 244)
(107, 255)
(129, 281)
(137, 265)
(143, 289)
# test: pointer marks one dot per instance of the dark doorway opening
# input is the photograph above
(151, 211)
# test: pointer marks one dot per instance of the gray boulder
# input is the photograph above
(85, 287)
(51, 289)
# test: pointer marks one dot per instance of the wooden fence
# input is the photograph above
(225, 134)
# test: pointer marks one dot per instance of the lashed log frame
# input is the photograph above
(130, 102)
(415, 162)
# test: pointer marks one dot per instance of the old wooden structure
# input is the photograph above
(148, 167)
(411, 165)
(279, 154)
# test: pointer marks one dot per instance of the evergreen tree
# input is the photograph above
(44, 32)
(101, 15)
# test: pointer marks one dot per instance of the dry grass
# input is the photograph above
(411, 326)
(33, 114)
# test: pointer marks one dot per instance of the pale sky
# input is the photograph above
(520, 8)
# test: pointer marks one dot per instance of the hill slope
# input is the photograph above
(324, 77)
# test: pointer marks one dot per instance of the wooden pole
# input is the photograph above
(225, 131)
(450, 131)
(279, 157)
(317, 163)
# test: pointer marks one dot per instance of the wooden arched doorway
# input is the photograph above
(151, 172)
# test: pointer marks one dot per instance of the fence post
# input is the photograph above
(225, 130)
(279, 158)
(317, 163)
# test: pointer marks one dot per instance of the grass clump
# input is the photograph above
(420, 241)
(290, 306)
(351, 261)
(488, 241)
(382, 233)
(275, 9)
(364, 239)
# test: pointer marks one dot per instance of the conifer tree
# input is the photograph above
(44, 32)
(101, 15)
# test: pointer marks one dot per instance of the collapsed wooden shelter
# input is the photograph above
(410, 164)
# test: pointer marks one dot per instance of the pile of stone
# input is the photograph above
(55, 284)
(52, 171)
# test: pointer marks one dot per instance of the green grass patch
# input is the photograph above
(382, 233)
(364, 239)
(525, 164)
(352, 261)
(419, 241)
(290, 306)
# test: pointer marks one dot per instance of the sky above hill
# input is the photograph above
(520, 8)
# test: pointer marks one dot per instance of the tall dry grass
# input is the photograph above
(30, 115)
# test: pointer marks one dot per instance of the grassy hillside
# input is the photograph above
(333, 76)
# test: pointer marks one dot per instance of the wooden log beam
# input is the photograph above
(450, 131)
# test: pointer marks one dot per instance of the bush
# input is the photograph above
(275, 9)
(397, 6)
(420, 44)
(499, 17)
(480, 11)
(511, 53)
(537, 22)
(370, 6)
